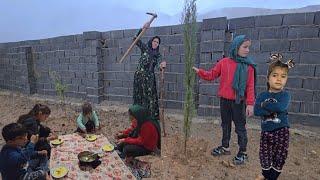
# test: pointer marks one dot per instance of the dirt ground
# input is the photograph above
(304, 151)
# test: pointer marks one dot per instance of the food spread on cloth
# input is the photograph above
(66, 155)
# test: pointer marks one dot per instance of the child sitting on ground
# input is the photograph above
(15, 161)
(87, 121)
(32, 122)
(142, 138)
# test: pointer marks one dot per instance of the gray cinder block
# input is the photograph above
(162, 30)
(214, 23)
(91, 35)
(305, 70)
(303, 32)
(312, 83)
(117, 34)
(298, 19)
(310, 108)
(130, 33)
(294, 106)
(317, 71)
(239, 23)
(294, 82)
(274, 45)
(310, 58)
(316, 96)
(177, 29)
(251, 33)
(301, 95)
(206, 35)
(305, 45)
(270, 20)
(317, 18)
(273, 33)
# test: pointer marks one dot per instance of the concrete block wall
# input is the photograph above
(74, 59)
(88, 63)
(14, 71)
(115, 77)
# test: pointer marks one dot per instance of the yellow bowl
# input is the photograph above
(108, 147)
(59, 172)
(56, 141)
(91, 137)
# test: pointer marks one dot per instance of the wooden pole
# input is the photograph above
(162, 117)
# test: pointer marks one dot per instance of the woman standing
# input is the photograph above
(144, 85)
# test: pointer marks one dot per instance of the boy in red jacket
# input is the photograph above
(237, 94)
(144, 135)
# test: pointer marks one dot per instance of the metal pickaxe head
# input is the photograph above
(152, 14)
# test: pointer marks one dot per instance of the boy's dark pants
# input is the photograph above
(39, 163)
(230, 111)
(43, 144)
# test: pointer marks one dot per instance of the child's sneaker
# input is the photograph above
(240, 158)
(220, 151)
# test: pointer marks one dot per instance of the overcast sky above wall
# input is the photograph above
(38, 19)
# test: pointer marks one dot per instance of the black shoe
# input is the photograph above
(220, 151)
(240, 158)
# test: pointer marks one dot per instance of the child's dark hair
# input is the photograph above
(86, 108)
(37, 108)
(275, 61)
(12, 131)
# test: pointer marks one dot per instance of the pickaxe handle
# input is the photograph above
(137, 38)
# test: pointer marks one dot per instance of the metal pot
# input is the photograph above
(87, 157)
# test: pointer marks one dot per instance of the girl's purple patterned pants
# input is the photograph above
(274, 148)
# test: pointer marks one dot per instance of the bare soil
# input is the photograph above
(304, 152)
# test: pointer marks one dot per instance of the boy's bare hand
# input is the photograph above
(43, 152)
(48, 177)
(34, 138)
(52, 137)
